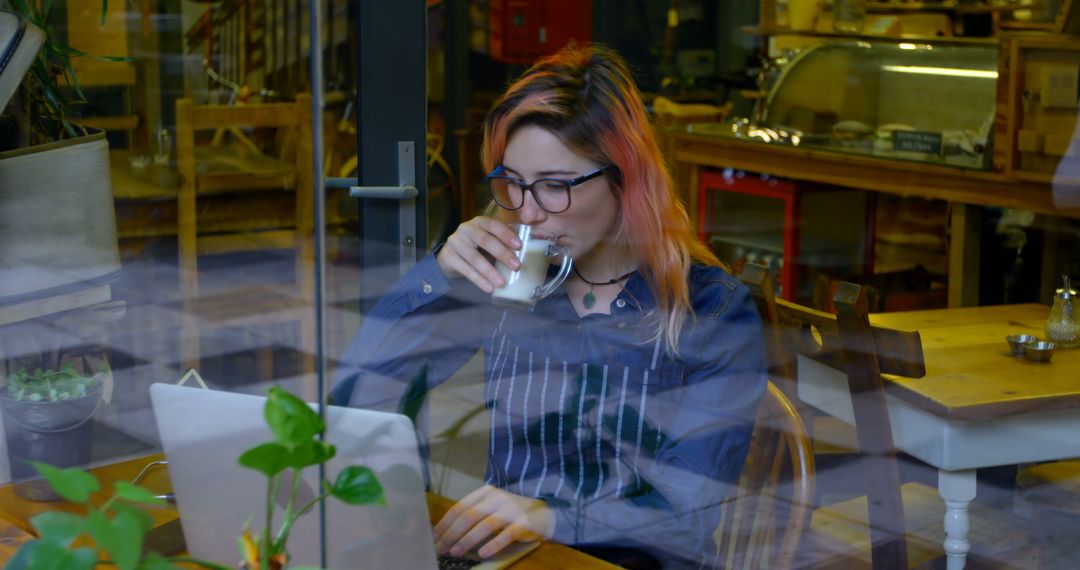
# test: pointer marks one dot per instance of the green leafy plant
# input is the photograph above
(51, 385)
(118, 528)
(297, 444)
(111, 534)
(46, 100)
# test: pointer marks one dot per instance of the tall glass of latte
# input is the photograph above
(528, 284)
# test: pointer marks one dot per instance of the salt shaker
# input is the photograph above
(1063, 326)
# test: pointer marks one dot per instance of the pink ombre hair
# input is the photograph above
(587, 97)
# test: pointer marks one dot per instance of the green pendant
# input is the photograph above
(588, 300)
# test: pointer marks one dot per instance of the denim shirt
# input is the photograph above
(632, 447)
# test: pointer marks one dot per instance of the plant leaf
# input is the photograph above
(68, 51)
(50, 555)
(23, 9)
(136, 494)
(358, 485)
(311, 453)
(21, 559)
(144, 518)
(58, 526)
(72, 78)
(122, 537)
(74, 485)
(273, 458)
(269, 458)
(290, 419)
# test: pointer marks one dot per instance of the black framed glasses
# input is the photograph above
(551, 194)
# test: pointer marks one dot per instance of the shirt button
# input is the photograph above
(621, 326)
(426, 288)
(620, 303)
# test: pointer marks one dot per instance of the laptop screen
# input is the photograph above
(204, 431)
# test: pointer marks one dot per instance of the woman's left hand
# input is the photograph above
(489, 512)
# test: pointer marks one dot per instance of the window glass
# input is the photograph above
(781, 283)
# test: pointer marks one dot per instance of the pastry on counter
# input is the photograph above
(853, 134)
(883, 136)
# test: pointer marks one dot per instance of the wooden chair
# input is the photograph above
(828, 435)
(893, 525)
(762, 526)
(240, 196)
(847, 342)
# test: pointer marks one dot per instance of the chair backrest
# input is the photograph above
(781, 363)
(242, 168)
(762, 525)
(249, 194)
(792, 329)
(848, 343)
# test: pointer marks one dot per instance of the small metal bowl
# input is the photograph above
(1017, 342)
(1039, 351)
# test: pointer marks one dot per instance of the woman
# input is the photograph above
(621, 406)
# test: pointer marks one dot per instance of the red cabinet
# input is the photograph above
(800, 230)
(523, 30)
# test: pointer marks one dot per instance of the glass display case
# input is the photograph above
(906, 101)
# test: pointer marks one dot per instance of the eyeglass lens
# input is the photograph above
(551, 195)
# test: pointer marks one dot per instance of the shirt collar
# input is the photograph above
(636, 293)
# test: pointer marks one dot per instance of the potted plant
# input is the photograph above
(57, 220)
(47, 417)
(117, 527)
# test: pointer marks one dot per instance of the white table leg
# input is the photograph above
(957, 488)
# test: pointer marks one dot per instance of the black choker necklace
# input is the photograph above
(589, 299)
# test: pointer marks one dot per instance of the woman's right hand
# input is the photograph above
(463, 254)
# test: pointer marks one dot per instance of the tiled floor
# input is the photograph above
(144, 348)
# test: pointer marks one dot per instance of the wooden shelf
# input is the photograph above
(893, 7)
(866, 173)
(953, 7)
(759, 31)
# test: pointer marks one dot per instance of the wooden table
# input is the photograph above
(976, 407)
(146, 197)
(18, 511)
(243, 191)
(15, 514)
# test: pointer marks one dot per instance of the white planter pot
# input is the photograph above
(57, 220)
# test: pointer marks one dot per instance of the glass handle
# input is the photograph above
(564, 272)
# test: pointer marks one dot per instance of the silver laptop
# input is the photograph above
(204, 431)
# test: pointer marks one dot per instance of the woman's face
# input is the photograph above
(534, 152)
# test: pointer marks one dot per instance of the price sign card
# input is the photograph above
(917, 141)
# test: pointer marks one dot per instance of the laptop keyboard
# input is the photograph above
(447, 562)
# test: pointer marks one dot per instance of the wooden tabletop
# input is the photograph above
(16, 512)
(11, 539)
(240, 190)
(970, 373)
(222, 168)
